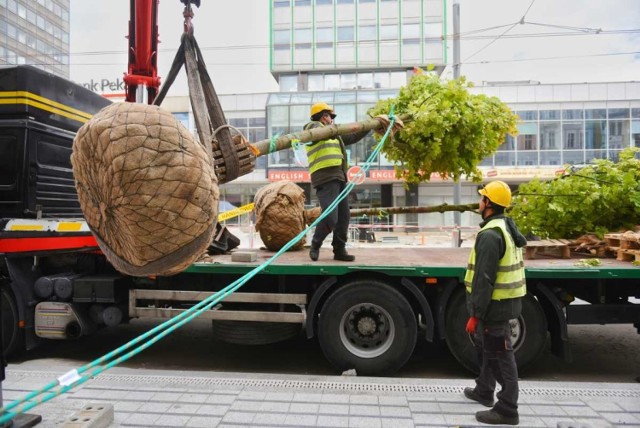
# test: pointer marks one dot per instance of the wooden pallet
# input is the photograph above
(627, 255)
(623, 241)
(558, 248)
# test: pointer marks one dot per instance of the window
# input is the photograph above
(348, 81)
(550, 135)
(367, 33)
(281, 3)
(381, 80)
(398, 79)
(388, 32)
(595, 132)
(345, 33)
(302, 36)
(595, 113)
(281, 37)
(433, 30)
(11, 31)
(257, 121)
(619, 132)
(618, 113)
(411, 31)
(527, 115)
(303, 3)
(316, 82)
(549, 114)
(289, 83)
(332, 82)
(323, 2)
(22, 11)
(572, 114)
(572, 135)
(527, 138)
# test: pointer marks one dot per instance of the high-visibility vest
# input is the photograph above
(324, 154)
(510, 281)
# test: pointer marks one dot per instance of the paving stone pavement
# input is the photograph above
(152, 398)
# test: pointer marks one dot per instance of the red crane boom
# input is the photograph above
(143, 52)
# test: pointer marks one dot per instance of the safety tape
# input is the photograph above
(236, 212)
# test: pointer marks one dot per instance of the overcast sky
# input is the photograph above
(234, 37)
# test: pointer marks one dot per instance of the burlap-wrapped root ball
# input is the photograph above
(280, 216)
(146, 187)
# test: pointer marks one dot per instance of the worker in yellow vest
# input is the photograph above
(495, 285)
(328, 167)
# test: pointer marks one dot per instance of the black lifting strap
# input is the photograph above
(206, 107)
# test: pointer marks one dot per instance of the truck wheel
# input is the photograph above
(11, 334)
(254, 333)
(367, 326)
(528, 333)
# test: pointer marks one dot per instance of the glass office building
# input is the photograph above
(327, 45)
(35, 32)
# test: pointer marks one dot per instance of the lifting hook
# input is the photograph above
(188, 14)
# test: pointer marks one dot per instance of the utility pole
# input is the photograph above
(456, 73)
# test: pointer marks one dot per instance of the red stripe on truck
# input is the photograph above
(21, 245)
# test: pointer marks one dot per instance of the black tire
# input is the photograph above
(11, 334)
(254, 333)
(529, 333)
(371, 305)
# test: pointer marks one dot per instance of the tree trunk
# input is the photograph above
(414, 210)
(283, 142)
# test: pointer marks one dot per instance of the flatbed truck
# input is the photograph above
(55, 284)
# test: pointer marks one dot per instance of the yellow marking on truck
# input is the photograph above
(28, 98)
(236, 212)
(69, 227)
(26, 227)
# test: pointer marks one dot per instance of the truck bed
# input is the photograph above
(407, 261)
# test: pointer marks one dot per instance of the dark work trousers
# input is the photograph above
(493, 344)
(337, 221)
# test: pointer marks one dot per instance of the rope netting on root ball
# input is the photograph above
(146, 187)
(280, 214)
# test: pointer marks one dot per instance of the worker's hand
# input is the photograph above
(385, 122)
(471, 325)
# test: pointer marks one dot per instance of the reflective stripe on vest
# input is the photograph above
(324, 154)
(510, 281)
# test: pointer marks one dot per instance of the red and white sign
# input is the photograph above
(356, 175)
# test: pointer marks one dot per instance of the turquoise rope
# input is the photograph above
(27, 402)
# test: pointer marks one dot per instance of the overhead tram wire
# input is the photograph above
(471, 62)
(553, 58)
(463, 36)
(503, 33)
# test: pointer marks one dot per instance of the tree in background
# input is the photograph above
(598, 198)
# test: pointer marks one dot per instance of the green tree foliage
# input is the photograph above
(451, 131)
(599, 198)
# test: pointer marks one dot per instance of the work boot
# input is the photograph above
(494, 418)
(314, 253)
(343, 256)
(471, 394)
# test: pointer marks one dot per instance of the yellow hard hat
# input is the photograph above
(318, 107)
(498, 192)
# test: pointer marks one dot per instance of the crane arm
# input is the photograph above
(142, 70)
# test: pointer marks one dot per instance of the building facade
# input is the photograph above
(35, 32)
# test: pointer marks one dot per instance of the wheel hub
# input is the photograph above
(367, 330)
